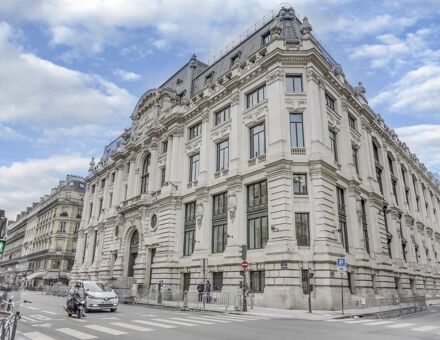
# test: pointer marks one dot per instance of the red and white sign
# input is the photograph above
(245, 264)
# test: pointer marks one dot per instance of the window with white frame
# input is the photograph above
(256, 96)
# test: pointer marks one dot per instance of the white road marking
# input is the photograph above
(360, 321)
(193, 320)
(227, 318)
(134, 327)
(175, 322)
(334, 320)
(245, 317)
(401, 325)
(377, 323)
(149, 315)
(156, 324)
(29, 307)
(105, 329)
(40, 317)
(209, 318)
(37, 336)
(425, 328)
(49, 312)
(76, 334)
(27, 319)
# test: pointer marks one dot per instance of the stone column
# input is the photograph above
(236, 136)
(354, 226)
(169, 158)
(282, 241)
(117, 186)
(203, 226)
(236, 218)
(154, 170)
(132, 176)
(177, 156)
(315, 118)
(368, 171)
(204, 151)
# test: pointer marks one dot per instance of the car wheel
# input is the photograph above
(112, 310)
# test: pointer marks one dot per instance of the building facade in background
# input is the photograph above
(267, 146)
(40, 245)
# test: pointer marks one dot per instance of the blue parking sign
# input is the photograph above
(341, 262)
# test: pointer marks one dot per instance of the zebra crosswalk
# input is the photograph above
(141, 324)
(390, 324)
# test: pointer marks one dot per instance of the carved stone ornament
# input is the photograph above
(306, 28)
(199, 213)
(276, 29)
(232, 205)
(275, 75)
(296, 104)
(360, 89)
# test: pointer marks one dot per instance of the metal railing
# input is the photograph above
(385, 307)
(8, 325)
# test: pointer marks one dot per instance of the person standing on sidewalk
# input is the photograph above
(200, 289)
(208, 291)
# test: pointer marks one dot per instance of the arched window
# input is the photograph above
(132, 253)
(145, 174)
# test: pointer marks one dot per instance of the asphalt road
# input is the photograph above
(45, 319)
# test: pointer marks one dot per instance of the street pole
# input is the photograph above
(310, 292)
(342, 291)
(244, 291)
(204, 297)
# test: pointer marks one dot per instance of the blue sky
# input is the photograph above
(71, 71)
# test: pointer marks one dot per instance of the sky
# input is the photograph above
(71, 71)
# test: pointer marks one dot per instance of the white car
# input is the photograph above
(99, 296)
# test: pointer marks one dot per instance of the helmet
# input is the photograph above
(78, 284)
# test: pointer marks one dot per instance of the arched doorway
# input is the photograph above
(132, 253)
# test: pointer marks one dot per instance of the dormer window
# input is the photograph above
(265, 38)
(235, 57)
(209, 77)
(180, 97)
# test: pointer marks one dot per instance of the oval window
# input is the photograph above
(154, 221)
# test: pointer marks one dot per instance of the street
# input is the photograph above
(45, 319)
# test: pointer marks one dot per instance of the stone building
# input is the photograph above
(41, 244)
(266, 146)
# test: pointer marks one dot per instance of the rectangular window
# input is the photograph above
(217, 281)
(219, 222)
(113, 177)
(223, 155)
(162, 176)
(330, 102)
(379, 178)
(302, 229)
(376, 153)
(85, 247)
(294, 83)
(354, 153)
(257, 141)
(110, 200)
(95, 239)
(333, 144)
(296, 130)
(365, 227)
(257, 281)
(300, 184)
(258, 232)
(265, 38)
(189, 228)
(352, 121)
(387, 232)
(164, 147)
(103, 183)
(91, 211)
(255, 97)
(305, 281)
(257, 196)
(195, 131)
(62, 227)
(223, 115)
(194, 164)
(93, 188)
(342, 218)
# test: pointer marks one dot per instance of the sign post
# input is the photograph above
(204, 267)
(244, 264)
(342, 264)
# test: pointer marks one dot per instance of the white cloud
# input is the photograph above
(416, 91)
(391, 49)
(22, 183)
(37, 91)
(424, 141)
(126, 75)
(7, 133)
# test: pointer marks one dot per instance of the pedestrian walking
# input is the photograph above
(208, 291)
(200, 289)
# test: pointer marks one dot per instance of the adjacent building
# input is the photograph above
(40, 245)
(270, 147)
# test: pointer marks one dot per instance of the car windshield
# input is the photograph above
(96, 287)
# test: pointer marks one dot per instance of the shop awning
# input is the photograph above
(35, 275)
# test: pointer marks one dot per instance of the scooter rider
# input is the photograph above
(77, 291)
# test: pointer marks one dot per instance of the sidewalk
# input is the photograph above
(291, 314)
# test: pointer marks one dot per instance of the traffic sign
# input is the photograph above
(245, 264)
(341, 262)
